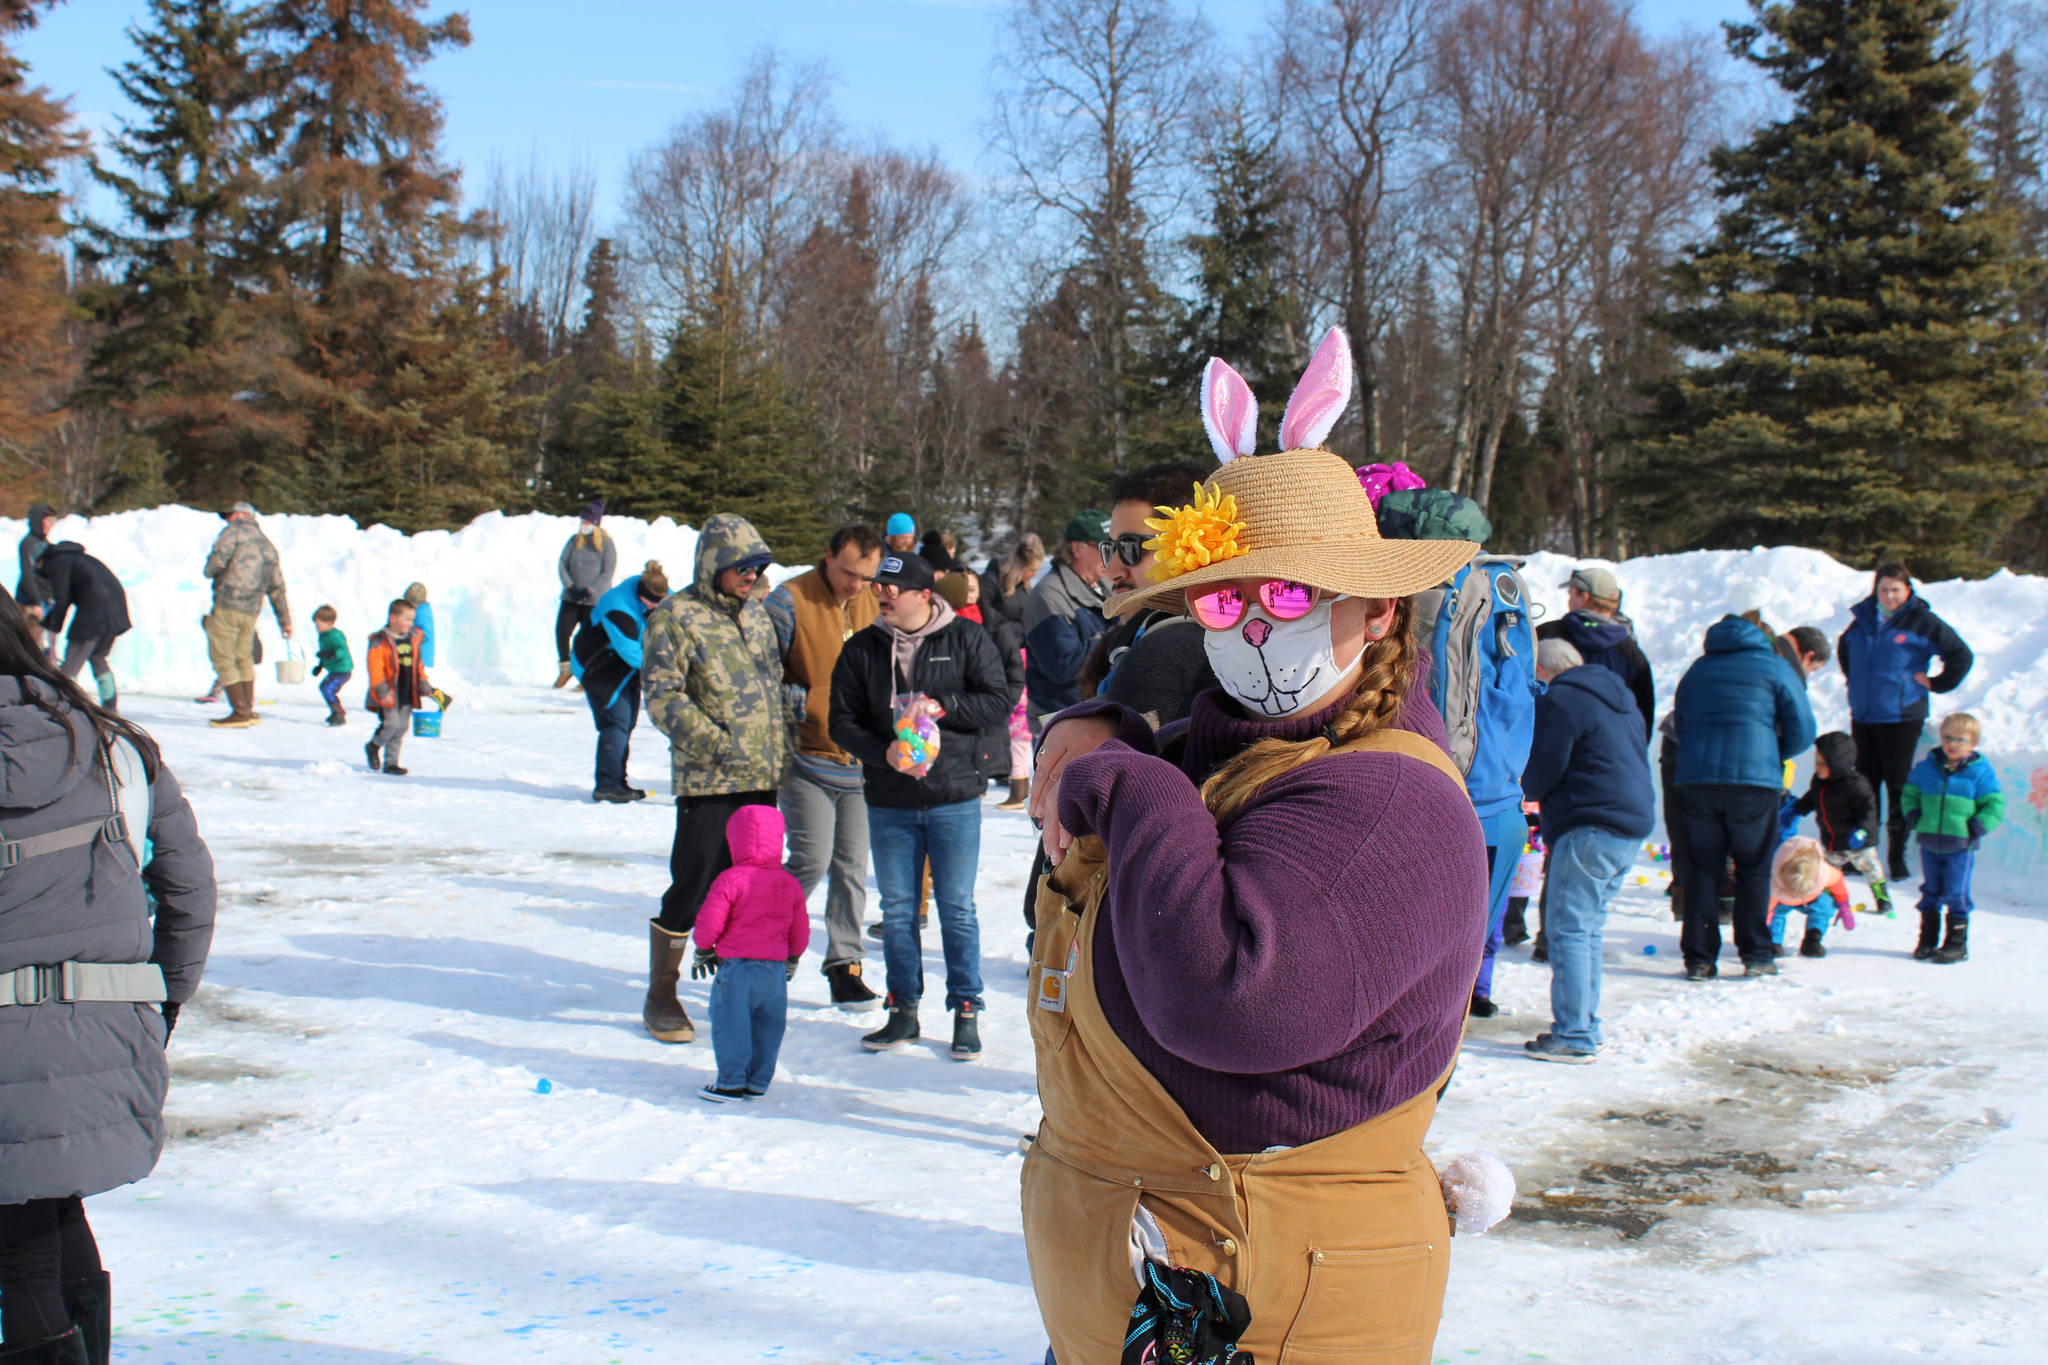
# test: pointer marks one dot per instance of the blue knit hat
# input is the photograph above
(901, 524)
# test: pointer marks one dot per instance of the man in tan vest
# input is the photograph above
(822, 801)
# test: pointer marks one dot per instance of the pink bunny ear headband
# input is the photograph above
(1298, 515)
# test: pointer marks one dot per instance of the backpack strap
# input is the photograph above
(120, 764)
(1408, 744)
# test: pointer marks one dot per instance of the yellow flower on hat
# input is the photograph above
(1205, 532)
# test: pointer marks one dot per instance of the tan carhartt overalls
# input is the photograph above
(1341, 1246)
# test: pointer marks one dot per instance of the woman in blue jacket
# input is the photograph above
(1740, 714)
(1892, 638)
(606, 658)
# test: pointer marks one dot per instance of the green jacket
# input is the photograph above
(334, 655)
(1952, 808)
(711, 675)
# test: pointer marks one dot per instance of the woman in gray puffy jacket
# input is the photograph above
(586, 566)
(106, 914)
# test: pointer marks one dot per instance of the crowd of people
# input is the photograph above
(1230, 702)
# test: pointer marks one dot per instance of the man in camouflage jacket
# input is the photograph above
(244, 569)
(711, 677)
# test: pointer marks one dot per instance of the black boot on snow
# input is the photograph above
(1482, 1008)
(1811, 946)
(89, 1303)
(1514, 927)
(901, 1028)
(1930, 934)
(68, 1349)
(1956, 947)
(849, 992)
(966, 1034)
(376, 759)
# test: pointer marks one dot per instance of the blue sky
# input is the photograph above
(597, 80)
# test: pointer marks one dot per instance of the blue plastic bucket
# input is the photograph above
(426, 724)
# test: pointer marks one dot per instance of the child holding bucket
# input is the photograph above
(398, 679)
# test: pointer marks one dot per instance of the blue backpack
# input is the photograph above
(1482, 641)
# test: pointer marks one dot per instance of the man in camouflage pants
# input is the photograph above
(244, 570)
(711, 676)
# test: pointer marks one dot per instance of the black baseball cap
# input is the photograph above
(905, 571)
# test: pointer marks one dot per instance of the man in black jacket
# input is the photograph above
(919, 657)
(80, 584)
(1593, 625)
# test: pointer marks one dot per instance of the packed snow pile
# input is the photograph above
(494, 589)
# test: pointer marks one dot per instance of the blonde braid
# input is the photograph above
(1382, 688)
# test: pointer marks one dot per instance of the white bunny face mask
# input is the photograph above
(1275, 668)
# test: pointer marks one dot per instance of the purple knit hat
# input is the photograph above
(594, 513)
(1378, 480)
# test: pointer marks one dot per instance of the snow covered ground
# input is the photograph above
(1838, 1164)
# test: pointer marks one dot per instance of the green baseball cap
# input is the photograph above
(1088, 526)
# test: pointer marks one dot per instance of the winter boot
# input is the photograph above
(562, 678)
(966, 1034)
(1930, 934)
(88, 1302)
(391, 769)
(1956, 947)
(1541, 951)
(1482, 1008)
(1514, 926)
(849, 992)
(1020, 792)
(370, 752)
(242, 707)
(618, 796)
(663, 1014)
(1811, 946)
(901, 1028)
(68, 1349)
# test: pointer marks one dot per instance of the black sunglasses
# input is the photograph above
(1129, 547)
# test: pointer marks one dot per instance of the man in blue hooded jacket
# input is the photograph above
(1741, 714)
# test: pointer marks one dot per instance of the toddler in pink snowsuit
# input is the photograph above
(750, 933)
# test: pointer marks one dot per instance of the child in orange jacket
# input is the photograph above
(398, 679)
(1800, 876)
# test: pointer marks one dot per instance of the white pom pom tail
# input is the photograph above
(1479, 1190)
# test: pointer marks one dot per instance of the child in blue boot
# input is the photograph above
(1952, 799)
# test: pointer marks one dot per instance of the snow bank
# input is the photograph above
(494, 591)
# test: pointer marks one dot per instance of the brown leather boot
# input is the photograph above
(663, 1014)
(1020, 792)
(242, 700)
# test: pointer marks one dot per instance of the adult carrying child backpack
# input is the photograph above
(1482, 644)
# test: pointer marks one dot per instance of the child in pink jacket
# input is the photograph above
(750, 933)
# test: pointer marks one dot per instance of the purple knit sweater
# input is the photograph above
(1305, 967)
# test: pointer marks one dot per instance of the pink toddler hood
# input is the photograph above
(754, 834)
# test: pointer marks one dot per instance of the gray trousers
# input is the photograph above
(828, 829)
(78, 652)
(392, 729)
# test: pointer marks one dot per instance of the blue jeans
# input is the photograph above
(1586, 868)
(615, 722)
(1506, 833)
(1945, 880)
(900, 841)
(749, 1008)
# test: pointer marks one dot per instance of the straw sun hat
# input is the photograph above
(1300, 514)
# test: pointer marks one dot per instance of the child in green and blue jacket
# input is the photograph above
(335, 661)
(1953, 800)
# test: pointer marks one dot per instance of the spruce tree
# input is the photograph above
(1865, 385)
(36, 138)
(179, 354)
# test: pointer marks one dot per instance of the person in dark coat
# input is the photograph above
(31, 590)
(1594, 626)
(1893, 637)
(1740, 715)
(1844, 810)
(82, 1070)
(86, 590)
(1589, 772)
(919, 648)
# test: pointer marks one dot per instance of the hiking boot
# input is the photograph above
(717, 1096)
(1514, 927)
(1780, 950)
(901, 1028)
(849, 992)
(1762, 966)
(966, 1033)
(618, 796)
(88, 1302)
(371, 752)
(1020, 792)
(636, 793)
(1544, 1047)
(393, 770)
(1956, 947)
(68, 1349)
(1701, 971)
(1482, 1008)
(662, 1015)
(562, 678)
(1930, 934)
(1811, 946)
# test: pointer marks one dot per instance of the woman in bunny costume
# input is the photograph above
(1255, 953)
